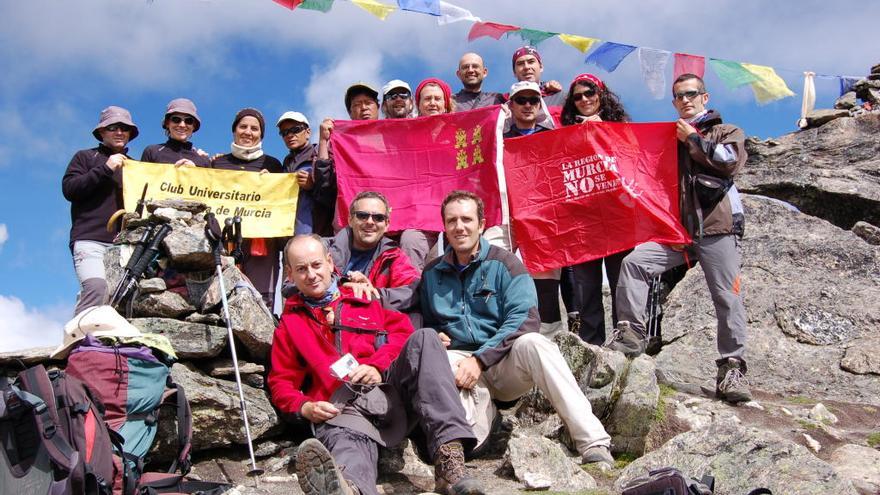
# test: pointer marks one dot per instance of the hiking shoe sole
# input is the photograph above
(316, 471)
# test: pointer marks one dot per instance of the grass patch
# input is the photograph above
(665, 392)
(807, 424)
(874, 440)
(620, 461)
(801, 400)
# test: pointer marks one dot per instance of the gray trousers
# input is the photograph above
(419, 246)
(88, 261)
(423, 379)
(721, 260)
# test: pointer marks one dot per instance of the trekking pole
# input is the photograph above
(654, 310)
(214, 234)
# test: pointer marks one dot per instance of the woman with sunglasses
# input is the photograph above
(590, 100)
(180, 122)
(261, 256)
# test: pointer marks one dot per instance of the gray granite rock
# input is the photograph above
(539, 458)
(190, 340)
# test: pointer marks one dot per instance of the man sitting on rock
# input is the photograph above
(709, 154)
(363, 378)
(483, 301)
(362, 253)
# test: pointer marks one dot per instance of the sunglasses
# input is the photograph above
(292, 130)
(176, 119)
(404, 95)
(363, 216)
(118, 127)
(522, 100)
(687, 95)
(583, 95)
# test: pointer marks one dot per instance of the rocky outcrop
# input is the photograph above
(859, 464)
(190, 340)
(539, 463)
(811, 290)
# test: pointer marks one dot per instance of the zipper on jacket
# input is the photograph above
(464, 307)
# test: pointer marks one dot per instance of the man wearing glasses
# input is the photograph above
(471, 72)
(364, 255)
(709, 155)
(313, 213)
(397, 102)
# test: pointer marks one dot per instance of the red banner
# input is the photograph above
(587, 191)
(416, 162)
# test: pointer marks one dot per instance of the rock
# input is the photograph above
(828, 172)
(742, 459)
(115, 259)
(847, 101)
(861, 465)
(188, 248)
(544, 459)
(232, 278)
(821, 414)
(812, 443)
(222, 368)
(597, 370)
(152, 285)
(251, 322)
(862, 357)
(170, 214)
(256, 381)
(208, 319)
(535, 481)
(216, 415)
(821, 117)
(868, 232)
(163, 305)
(811, 290)
(634, 411)
(875, 69)
(267, 448)
(176, 204)
(190, 340)
(27, 357)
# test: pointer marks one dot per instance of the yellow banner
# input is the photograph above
(266, 203)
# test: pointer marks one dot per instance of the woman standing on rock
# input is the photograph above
(180, 122)
(590, 100)
(93, 185)
(261, 256)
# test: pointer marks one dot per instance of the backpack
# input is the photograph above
(56, 425)
(670, 481)
(133, 385)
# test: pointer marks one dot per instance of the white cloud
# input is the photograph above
(23, 327)
(327, 85)
(4, 235)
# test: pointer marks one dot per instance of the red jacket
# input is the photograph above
(304, 346)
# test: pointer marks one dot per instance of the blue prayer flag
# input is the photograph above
(431, 7)
(846, 84)
(609, 55)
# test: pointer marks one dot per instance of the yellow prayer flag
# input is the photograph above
(378, 9)
(769, 86)
(265, 202)
(580, 42)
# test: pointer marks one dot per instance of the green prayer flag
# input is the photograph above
(533, 36)
(732, 74)
(319, 5)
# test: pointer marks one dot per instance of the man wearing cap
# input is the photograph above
(471, 72)
(93, 185)
(362, 378)
(181, 121)
(397, 101)
(527, 66)
(313, 213)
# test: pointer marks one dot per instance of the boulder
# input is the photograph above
(187, 247)
(222, 368)
(190, 340)
(597, 370)
(536, 458)
(811, 291)
(171, 214)
(209, 298)
(859, 464)
(193, 207)
(846, 101)
(741, 459)
(27, 357)
(829, 172)
(165, 304)
(152, 285)
(862, 357)
(870, 233)
(822, 116)
(208, 319)
(635, 409)
(252, 323)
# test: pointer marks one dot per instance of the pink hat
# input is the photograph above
(447, 92)
(114, 115)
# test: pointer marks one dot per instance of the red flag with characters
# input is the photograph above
(587, 191)
(416, 162)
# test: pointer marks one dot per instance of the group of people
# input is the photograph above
(382, 338)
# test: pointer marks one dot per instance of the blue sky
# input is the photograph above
(64, 61)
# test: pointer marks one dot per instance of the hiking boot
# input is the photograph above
(317, 473)
(627, 340)
(450, 474)
(598, 453)
(731, 384)
(574, 323)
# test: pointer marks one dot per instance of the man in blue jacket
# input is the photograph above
(482, 301)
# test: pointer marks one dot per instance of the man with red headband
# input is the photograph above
(527, 66)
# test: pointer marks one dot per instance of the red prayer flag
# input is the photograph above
(587, 191)
(492, 29)
(416, 162)
(688, 64)
(290, 4)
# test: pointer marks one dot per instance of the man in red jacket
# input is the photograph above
(363, 378)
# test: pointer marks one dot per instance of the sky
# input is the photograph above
(65, 61)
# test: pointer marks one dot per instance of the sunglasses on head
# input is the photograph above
(292, 130)
(687, 95)
(522, 100)
(118, 127)
(403, 95)
(363, 216)
(583, 95)
(176, 119)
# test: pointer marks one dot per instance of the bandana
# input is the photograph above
(588, 77)
(526, 50)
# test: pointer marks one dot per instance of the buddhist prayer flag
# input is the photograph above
(450, 13)
(609, 55)
(533, 36)
(378, 9)
(416, 162)
(769, 86)
(587, 191)
(688, 64)
(266, 202)
(319, 5)
(652, 63)
(732, 74)
(290, 4)
(846, 84)
(582, 43)
(431, 7)
(491, 29)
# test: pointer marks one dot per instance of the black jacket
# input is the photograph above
(94, 192)
(171, 151)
